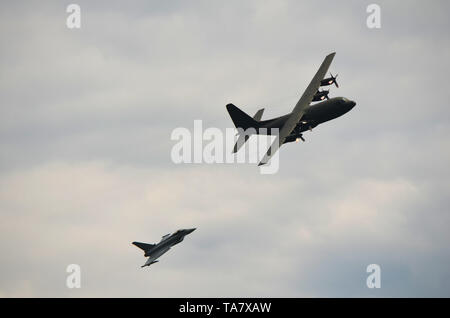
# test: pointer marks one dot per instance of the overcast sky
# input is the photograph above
(85, 169)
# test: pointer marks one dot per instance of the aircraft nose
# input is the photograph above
(352, 103)
(191, 230)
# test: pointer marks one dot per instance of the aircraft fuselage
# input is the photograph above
(315, 114)
(168, 241)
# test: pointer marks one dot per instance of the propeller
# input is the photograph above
(334, 79)
(322, 94)
(300, 136)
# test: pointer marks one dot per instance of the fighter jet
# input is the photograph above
(154, 251)
(303, 117)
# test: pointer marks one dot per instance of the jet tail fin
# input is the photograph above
(143, 246)
(241, 119)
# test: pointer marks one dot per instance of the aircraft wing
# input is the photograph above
(144, 246)
(154, 256)
(300, 108)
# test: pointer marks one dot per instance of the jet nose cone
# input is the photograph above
(352, 103)
(189, 231)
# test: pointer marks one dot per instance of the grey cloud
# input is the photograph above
(85, 124)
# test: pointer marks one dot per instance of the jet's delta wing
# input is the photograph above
(153, 258)
(144, 246)
(300, 108)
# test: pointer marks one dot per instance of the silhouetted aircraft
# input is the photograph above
(303, 117)
(154, 251)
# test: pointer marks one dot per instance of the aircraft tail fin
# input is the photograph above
(244, 137)
(241, 119)
(143, 246)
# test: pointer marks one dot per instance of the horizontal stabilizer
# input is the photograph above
(144, 246)
(258, 114)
